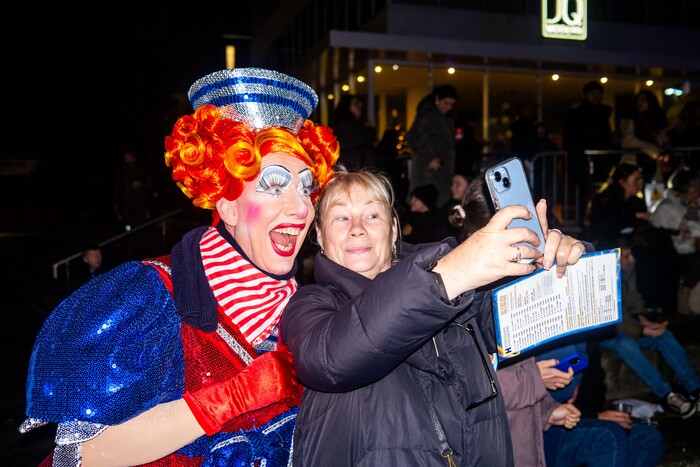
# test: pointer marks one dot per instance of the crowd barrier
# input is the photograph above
(551, 177)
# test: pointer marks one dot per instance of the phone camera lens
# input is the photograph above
(574, 361)
(497, 176)
(506, 182)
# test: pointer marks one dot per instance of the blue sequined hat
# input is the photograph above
(257, 97)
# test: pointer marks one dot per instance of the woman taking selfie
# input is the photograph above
(391, 332)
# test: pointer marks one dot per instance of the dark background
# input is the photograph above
(81, 86)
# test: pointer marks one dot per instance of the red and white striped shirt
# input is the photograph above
(251, 299)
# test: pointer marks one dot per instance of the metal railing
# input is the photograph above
(689, 156)
(550, 176)
(161, 222)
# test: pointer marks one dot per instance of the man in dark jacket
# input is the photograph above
(432, 142)
(587, 126)
(355, 135)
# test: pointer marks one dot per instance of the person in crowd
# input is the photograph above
(598, 441)
(542, 168)
(392, 159)
(530, 408)
(653, 336)
(391, 332)
(178, 360)
(544, 140)
(432, 141)
(460, 183)
(135, 197)
(134, 192)
(679, 212)
(419, 220)
(449, 216)
(618, 207)
(355, 135)
(468, 144)
(89, 268)
(587, 126)
(645, 130)
(686, 133)
(617, 210)
(603, 436)
(523, 140)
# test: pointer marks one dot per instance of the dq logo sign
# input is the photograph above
(564, 19)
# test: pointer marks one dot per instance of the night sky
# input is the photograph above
(81, 87)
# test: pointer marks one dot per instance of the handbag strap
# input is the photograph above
(445, 449)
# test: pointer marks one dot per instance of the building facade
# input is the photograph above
(494, 52)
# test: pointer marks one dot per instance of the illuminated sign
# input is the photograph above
(564, 19)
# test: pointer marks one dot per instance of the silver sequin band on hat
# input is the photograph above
(258, 97)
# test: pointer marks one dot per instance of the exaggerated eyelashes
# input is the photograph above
(275, 178)
(306, 183)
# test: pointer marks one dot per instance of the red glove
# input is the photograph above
(269, 379)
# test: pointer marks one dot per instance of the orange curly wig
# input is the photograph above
(212, 157)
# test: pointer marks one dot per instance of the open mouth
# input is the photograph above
(284, 239)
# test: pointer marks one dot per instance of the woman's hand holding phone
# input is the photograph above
(508, 186)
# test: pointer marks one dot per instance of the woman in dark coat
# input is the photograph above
(381, 326)
(356, 137)
(617, 209)
(645, 130)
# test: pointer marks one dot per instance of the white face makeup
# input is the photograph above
(274, 212)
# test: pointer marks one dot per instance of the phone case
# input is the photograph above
(508, 186)
(575, 361)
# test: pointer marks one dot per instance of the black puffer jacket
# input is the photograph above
(353, 341)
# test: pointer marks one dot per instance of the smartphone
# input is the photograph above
(507, 185)
(575, 361)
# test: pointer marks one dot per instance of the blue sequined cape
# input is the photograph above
(112, 350)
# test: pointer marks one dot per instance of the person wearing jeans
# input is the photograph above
(630, 351)
(654, 336)
(603, 437)
(590, 444)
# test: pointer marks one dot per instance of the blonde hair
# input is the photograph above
(377, 186)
